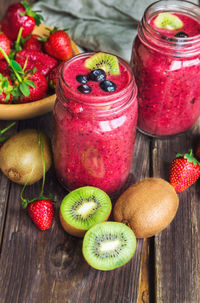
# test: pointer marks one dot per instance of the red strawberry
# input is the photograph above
(5, 45)
(32, 43)
(43, 62)
(38, 92)
(54, 75)
(19, 15)
(4, 69)
(184, 171)
(6, 89)
(58, 45)
(41, 213)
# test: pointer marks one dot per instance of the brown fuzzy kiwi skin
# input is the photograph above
(147, 207)
(20, 153)
(72, 230)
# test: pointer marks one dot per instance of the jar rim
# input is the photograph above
(162, 41)
(87, 99)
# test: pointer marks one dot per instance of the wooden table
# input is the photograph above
(48, 267)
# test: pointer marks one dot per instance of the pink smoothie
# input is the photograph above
(168, 78)
(94, 133)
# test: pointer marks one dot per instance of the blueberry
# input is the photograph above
(108, 86)
(82, 78)
(84, 88)
(97, 75)
(181, 35)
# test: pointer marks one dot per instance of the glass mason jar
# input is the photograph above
(167, 72)
(94, 136)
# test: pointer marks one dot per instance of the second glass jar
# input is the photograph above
(167, 72)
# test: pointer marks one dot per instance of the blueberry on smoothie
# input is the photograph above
(84, 88)
(108, 86)
(97, 75)
(181, 35)
(82, 78)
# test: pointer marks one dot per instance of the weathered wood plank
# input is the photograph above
(48, 266)
(177, 248)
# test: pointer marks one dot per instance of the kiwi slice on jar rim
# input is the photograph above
(168, 21)
(109, 63)
(108, 245)
(82, 208)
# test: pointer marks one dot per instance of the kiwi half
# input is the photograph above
(82, 208)
(168, 21)
(108, 245)
(109, 63)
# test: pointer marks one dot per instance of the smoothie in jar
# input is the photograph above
(94, 125)
(166, 65)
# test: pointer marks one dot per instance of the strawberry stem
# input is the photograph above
(9, 63)
(25, 202)
(2, 131)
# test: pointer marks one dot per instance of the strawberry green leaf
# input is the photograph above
(15, 66)
(24, 89)
(30, 83)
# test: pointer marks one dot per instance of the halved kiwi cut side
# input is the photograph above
(82, 208)
(109, 63)
(168, 21)
(108, 245)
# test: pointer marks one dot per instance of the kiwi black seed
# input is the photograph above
(82, 208)
(108, 245)
(109, 63)
(168, 21)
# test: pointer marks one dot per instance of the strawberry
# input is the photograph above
(37, 91)
(32, 43)
(184, 171)
(41, 213)
(54, 75)
(6, 89)
(40, 210)
(19, 15)
(58, 45)
(43, 62)
(4, 69)
(5, 45)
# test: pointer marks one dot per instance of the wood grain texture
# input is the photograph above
(177, 248)
(48, 266)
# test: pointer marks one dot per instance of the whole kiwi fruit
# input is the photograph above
(21, 156)
(147, 207)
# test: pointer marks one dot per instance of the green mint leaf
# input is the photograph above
(15, 66)
(5, 84)
(24, 89)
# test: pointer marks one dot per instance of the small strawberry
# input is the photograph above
(36, 92)
(19, 15)
(5, 44)
(4, 69)
(42, 62)
(40, 210)
(58, 45)
(41, 213)
(54, 75)
(6, 89)
(28, 85)
(184, 171)
(33, 43)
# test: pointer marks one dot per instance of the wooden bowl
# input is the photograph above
(36, 108)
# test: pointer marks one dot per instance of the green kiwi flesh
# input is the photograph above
(108, 245)
(109, 63)
(84, 207)
(168, 21)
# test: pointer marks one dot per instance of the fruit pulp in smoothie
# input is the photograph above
(168, 84)
(90, 148)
